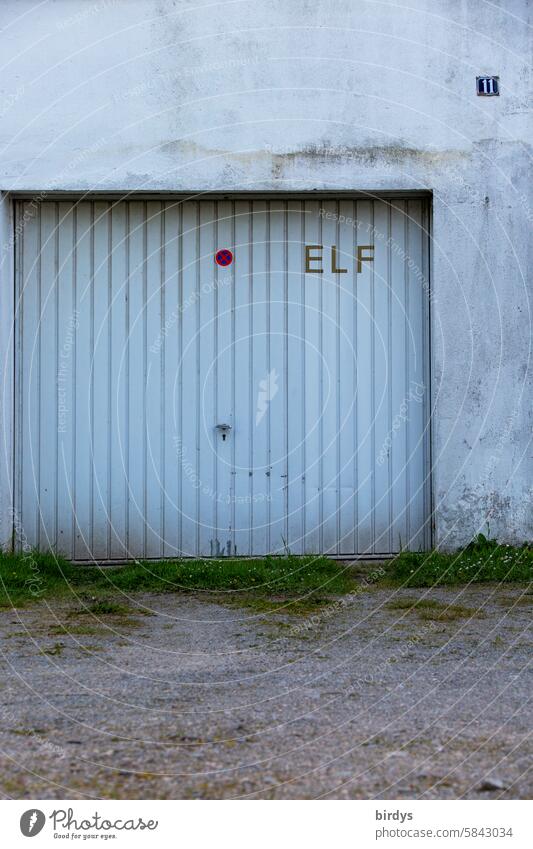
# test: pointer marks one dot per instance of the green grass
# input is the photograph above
(35, 576)
(105, 607)
(290, 584)
(481, 561)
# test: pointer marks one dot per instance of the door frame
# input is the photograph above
(12, 231)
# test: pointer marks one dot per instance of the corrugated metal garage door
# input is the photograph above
(133, 345)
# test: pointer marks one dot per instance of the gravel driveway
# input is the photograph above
(194, 699)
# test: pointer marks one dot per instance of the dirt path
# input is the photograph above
(200, 699)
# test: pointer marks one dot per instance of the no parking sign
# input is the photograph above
(224, 257)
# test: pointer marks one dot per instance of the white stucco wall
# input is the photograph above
(271, 95)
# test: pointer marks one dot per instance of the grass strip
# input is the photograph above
(483, 560)
(32, 576)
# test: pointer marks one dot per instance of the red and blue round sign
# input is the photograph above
(224, 257)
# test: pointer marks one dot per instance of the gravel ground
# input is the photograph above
(194, 699)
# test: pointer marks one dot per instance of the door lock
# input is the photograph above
(224, 430)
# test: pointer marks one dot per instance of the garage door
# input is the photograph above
(222, 377)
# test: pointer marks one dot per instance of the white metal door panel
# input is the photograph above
(133, 345)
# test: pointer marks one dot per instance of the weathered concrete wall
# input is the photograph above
(330, 94)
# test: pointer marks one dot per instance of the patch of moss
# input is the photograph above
(289, 606)
(512, 601)
(27, 732)
(432, 609)
(56, 649)
(77, 630)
